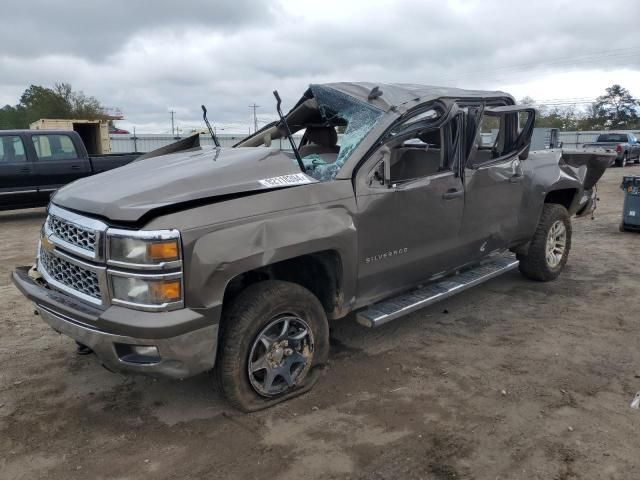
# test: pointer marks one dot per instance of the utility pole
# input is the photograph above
(255, 118)
(172, 129)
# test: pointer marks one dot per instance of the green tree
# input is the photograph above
(41, 102)
(616, 108)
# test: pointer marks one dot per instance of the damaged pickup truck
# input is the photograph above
(239, 257)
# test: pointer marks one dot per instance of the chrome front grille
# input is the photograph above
(66, 231)
(70, 275)
(79, 235)
(71, 255)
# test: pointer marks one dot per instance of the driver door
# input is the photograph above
(410, 200)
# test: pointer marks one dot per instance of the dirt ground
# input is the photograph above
(511, 380)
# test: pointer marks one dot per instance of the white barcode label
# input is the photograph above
(293, 179)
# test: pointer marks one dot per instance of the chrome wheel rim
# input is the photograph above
(556, 243)
(280, 356)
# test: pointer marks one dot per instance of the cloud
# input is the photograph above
(148, 57)
(94, 29)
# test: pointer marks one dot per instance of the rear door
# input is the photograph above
(495, 181)
(58, 161)
(18, 184)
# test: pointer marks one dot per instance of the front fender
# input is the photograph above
(222, 254)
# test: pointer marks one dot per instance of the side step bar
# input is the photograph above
(388, 310)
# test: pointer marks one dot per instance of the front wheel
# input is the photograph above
(550, 245)
(275, 337)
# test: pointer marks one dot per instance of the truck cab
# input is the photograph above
(36, 163)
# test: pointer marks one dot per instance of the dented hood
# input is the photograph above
(127, 193)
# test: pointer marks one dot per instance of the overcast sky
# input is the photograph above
(148, 57)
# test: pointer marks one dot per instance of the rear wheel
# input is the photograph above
(275, 337)
(550, 245)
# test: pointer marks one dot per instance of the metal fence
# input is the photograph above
(124, 143)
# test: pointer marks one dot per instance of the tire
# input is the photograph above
(623, 161)
(254, 320)
(621, 227)
(537, 264)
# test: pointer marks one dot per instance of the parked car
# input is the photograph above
(625, 145)
(238, 257)
(35, 163)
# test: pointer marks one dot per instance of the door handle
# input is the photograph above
(25, 170)
(75, 167)
(451, 194)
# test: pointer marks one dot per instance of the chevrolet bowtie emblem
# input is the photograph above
(47, 245)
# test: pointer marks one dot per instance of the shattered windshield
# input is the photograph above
(353, 118)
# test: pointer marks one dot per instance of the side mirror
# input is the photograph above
(383, 172)
(386, 161)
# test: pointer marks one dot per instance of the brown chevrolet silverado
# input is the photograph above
(240, 257)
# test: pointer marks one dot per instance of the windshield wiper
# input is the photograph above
(288, 131)
(206, 121)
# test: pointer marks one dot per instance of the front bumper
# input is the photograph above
(186, 340)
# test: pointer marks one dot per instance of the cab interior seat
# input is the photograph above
(322, 141)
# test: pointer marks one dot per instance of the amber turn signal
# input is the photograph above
(163, 251)
(166, 291)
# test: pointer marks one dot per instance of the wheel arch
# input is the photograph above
(320, 272)
(565, 196)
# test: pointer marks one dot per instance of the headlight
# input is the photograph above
(145, 269)
(139, 249)
(153, 291)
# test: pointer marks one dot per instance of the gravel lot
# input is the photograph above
(512, 380)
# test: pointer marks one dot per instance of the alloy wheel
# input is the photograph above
(556, 243)
(281, 355)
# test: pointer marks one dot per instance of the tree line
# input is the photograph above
(617, 109)
(38, 102)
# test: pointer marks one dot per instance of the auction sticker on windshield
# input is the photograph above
(283, 180)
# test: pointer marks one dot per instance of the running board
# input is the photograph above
(388, 310)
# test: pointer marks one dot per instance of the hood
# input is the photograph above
(129, 192)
